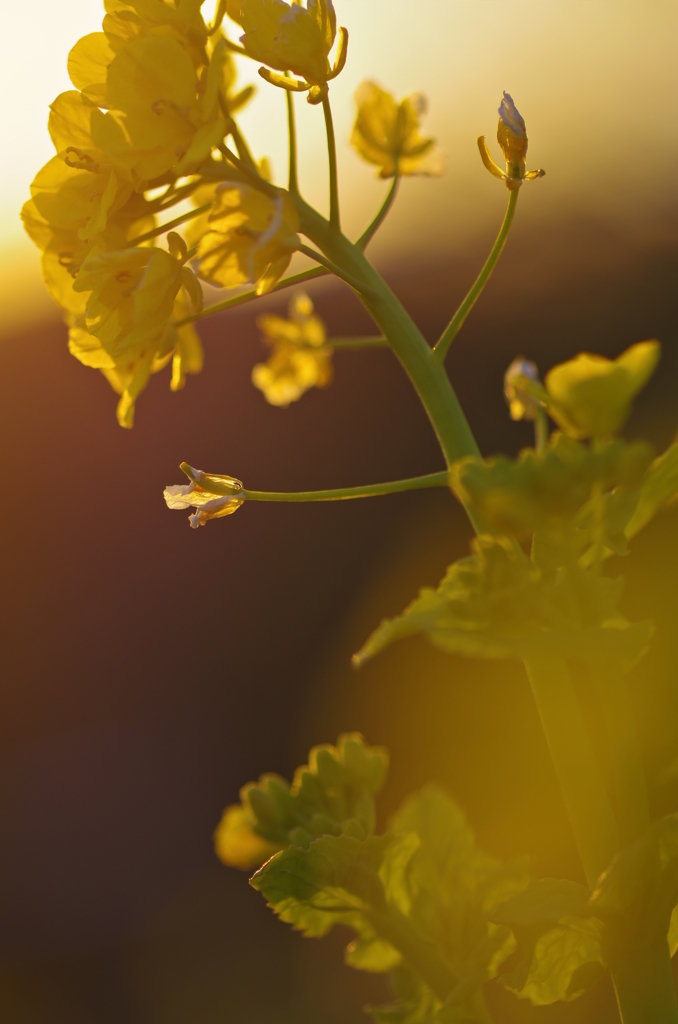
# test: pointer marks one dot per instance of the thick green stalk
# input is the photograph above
(442, 347)
(628, 774)
(414, 483)
(428, 377)
(579, 776)
(644, 985)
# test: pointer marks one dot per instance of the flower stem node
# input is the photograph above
(211, 495)
(512, 137)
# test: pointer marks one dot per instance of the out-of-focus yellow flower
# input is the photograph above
(127, 20)
(591, 396)
(386, 133)
(125, 329)
(522, 404)
(291, 37)
(298, 361)
(212, 496)
(250, 237)
(512, 137)
(161, 115)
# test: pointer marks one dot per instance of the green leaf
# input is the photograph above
(659, 487)
(394, 871)
(543, 902)
(416, 1003)
(335, 881)
(372, 954)
(553, 965)
(499, 603)
(333, 794)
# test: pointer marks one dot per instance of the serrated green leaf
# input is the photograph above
(557, 957)
(498, 603)
(416, 1003)
(332, 794)
(335, 881)
(659, 487)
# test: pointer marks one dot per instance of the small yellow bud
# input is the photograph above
(512, 137)
(522, 404)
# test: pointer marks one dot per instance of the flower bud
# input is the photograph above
(523, 405)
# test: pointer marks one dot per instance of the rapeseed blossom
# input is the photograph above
(386, 133)
(512, 137)
(299, 360)
(294, 38)
(125, 329)
(250, 237)
(522, 405)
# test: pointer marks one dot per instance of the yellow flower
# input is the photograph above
(134, 19)
(386, 133)
(522, 404)
(212, 496)
(250, 237)
(161, 115)
(590, 396)
(125, 330)
(79, 189)
(299, 361)
(512, 137)
(294, 38)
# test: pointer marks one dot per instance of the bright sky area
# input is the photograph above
(596, 81)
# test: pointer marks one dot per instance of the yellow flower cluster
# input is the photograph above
(143, 130)
(300, 360)
(386, 133)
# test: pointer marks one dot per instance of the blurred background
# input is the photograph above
(149, 670)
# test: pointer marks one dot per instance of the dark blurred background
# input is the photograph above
(150, 670)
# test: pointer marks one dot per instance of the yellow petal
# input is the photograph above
(88, 64)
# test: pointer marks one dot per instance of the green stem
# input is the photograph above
(170, 224)
(428, 377)
(371, 231)
(332, 154)
(413, 483)
(442, 347)
(644, 985)
(581, 782)
(628, 774)
(541, 430)
(333, 268)
(293, 184)
(238, 300)
(242, 147)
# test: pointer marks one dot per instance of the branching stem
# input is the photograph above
(170, 224)
(353, 282)
(442, 347)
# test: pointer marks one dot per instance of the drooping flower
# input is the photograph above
(386, 133)
(250, 237)
(298, 361)
(213, 496)
(591, 396)
(294, 38)
(512, 137)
